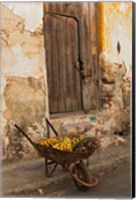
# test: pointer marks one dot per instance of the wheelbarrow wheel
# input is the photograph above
(81, 172)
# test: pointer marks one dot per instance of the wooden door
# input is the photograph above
(71, 56)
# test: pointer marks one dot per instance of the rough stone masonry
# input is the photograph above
(24, 88)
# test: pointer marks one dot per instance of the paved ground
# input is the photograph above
(114, 184)
(110, 165)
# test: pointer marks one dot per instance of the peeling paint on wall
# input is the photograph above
(119, 14)
(115, 48)
(24, 79)
(23, 72)
(31, 13)
(23, 49)
(20, 64)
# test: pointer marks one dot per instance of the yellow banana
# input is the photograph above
(56, 146)
(62, 143)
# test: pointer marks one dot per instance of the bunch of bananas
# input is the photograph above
(50, 141)
(63, 143)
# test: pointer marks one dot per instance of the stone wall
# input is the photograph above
(115, 59)
(116, 30)
(24, 88)
(115, 86)
(23, 83)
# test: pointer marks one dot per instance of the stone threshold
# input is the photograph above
(79, 115)
(66, 121)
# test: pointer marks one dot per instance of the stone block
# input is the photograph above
(107, 74)
(108, 90)
(118, 97)
(91, 133)
(118, 140)
(71, 130)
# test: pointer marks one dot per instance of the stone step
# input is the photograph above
(103, 127)
(74, 124)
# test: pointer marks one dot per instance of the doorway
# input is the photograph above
(71, 55)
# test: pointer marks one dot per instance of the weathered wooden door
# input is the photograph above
(70, 55)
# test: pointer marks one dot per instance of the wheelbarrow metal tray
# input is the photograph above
(61, 157)
(58, 156)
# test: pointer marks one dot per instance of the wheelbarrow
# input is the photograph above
(52, 156)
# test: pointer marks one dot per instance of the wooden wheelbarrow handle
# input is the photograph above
(24, 134)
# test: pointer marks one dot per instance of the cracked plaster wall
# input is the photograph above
(119, 14)
(115, 27)
(115, 50)
(23, 72)
(23, 79)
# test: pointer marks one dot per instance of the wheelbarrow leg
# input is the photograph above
(47, 171)
(56, 164)
(46, 166)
